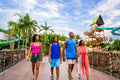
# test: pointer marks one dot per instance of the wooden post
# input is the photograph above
(92, 59)
(12, 58)
(4, 67)
(110, 63)
(24, 54)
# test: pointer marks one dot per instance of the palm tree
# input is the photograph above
(27, 25)
(77, 37)
(30, 25)
(21, 25)
(15, 30)
(23, 37)
(46, 28)
(33, 28)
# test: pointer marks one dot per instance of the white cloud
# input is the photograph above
(76, 12)
(8, 15)
(85, 22)
(27, 4)
(47, 10)
(107, 9)
(117, 24)
(60, 21)
(44, 14)
(104, 6)
(51, 9)
(74, 3)
(54, 6)
(63, 29)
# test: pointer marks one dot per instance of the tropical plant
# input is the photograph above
(49, 40)
(15, 29)
(29, 26)
(111, 39)
(116, 44)
(77, 37)
(46, 28)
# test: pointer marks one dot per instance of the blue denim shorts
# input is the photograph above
(55, 63)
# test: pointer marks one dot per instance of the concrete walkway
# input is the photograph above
(22, 71)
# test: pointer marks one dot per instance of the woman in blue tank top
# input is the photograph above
(55, 57)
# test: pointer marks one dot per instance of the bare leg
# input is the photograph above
(57, 72)
(87, 77)
(37, 69)
(72, 67)
(79, 76)
(33, 68)
(69, 71)
(52, 69)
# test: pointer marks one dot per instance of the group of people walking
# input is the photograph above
(72, 55)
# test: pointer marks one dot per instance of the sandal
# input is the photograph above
(71, 77)
(33, 77)
(51, 77)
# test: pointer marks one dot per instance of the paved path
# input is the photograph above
(22, 71)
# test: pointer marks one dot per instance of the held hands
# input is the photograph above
(64, 59)
(77, 54)
(49, 60)
(28, 58)
(60, 61)
(42, 59)
(77, 57)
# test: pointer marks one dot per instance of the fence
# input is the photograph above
(9, 58)
(105, 61)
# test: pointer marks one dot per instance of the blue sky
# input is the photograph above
(63, 15)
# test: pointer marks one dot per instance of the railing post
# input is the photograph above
(92, 58)
(12, 58)
(24, 54)
(4, 63)
(110, 62)
(17, 55)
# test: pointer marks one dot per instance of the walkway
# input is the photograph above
(22, 71)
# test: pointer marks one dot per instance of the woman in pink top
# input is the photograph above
(36, 57)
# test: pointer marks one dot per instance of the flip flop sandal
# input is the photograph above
(51, 77)
(71, 77)
(33, 77)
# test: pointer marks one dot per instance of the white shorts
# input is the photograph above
(71, 61)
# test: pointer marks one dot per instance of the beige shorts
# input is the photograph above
(71, 61)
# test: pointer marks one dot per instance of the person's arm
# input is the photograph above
(76, 50)
(28, 57)
(60, 54)
(50, 53)
(41, 52)
(76, 53)
(64, 55)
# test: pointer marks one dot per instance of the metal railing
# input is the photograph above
(9, 58)
(105, 61)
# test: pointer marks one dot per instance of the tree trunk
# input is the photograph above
(10, 46)
(19, 41)
(26, 39)
(44, 43)
(30, 38)
(23, 41)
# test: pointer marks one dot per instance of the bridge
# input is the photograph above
(22, 70)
